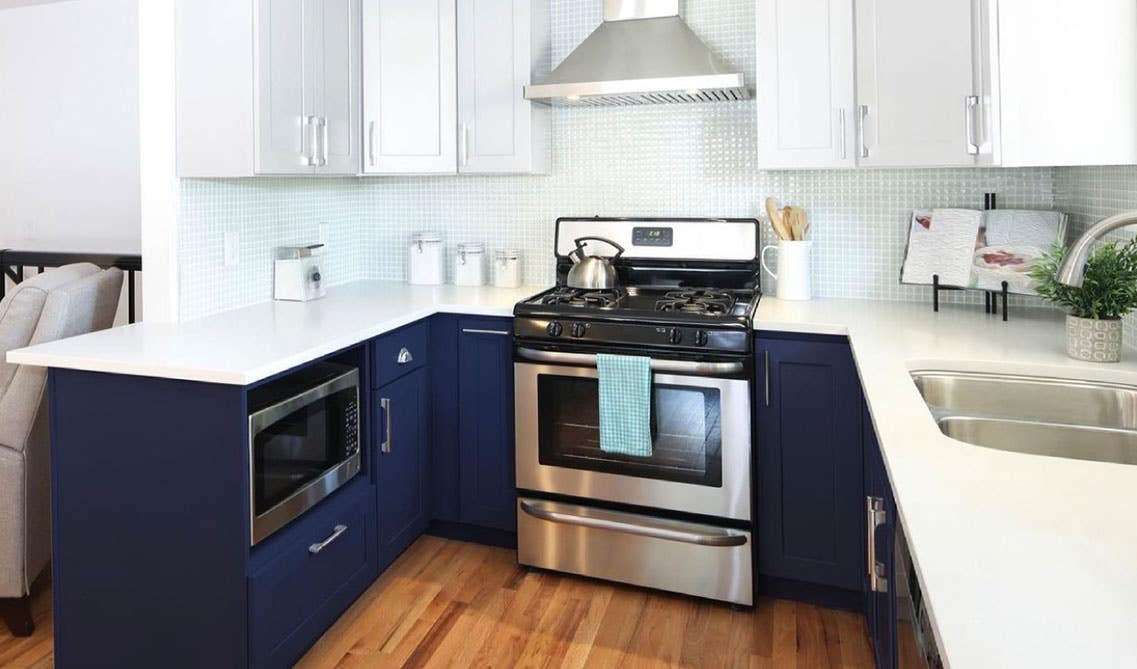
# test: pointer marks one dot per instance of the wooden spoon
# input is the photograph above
(798, 223)
(781, 228)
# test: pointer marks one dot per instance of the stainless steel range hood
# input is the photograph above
(642, 53)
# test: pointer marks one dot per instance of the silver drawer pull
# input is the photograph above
(609, 520)
(501, 333)
(405, 357)
(315, 549)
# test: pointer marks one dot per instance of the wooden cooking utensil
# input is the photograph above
(781, 227)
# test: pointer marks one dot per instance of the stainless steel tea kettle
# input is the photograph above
(593, 272)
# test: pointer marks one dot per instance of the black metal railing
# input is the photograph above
(13, 263)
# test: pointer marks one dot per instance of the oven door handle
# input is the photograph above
(617, 522)
(668, 366)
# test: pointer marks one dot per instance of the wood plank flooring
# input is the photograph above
(452, 604)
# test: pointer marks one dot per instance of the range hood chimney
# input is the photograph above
(642, 53)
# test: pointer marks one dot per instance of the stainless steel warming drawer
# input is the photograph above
(690, 558)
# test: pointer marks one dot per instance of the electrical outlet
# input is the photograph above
(322, 233)
(232, 249)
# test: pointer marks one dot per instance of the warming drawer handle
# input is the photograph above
(316, 549)
(674, 366)
(724, 539)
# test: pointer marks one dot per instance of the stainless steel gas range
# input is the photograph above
(677, 518)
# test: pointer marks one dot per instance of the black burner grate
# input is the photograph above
(708, 302)
(576, 297)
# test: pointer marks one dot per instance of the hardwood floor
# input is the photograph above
(32, 652)
(451, 604)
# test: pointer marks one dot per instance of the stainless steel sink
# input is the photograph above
(1065, 419)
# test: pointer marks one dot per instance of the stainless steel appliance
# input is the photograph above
(916, 645)
(680, 518)
(303, 443)
(643, 53)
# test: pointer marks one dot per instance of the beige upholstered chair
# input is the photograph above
(59, 303)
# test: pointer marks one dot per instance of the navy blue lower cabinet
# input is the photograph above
(402, 454)
(880, 593)
(313, 571)
(810, 490)
(485, 423)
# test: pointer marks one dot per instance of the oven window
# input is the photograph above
(686, 432)
(299, 448)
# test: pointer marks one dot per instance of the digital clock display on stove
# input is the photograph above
(653, 236)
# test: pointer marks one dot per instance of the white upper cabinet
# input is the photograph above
(338, 85)
(806, 96)
(946, 83)
(1064, 81)
(500, 43)
(916, 90)
(267, 87)
(410, 87)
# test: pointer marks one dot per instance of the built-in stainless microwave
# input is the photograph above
(303, 443)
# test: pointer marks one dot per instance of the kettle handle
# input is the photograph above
(580, 247)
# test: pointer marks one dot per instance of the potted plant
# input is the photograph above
(1094, 311)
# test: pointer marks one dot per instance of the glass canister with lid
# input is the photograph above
(426, 265)
(470, 264)
(507, 268)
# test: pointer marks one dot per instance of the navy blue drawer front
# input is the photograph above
(326, 561)
(400, 353)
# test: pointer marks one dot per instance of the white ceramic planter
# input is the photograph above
(1093, 340)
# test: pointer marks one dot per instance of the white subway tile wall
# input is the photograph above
(1090, 194)
(676, 160)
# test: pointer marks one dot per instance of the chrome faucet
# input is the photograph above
(1072, 270)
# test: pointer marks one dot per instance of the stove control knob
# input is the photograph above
(578, 330)
(700, 338)
(554, 329)
(675, 335)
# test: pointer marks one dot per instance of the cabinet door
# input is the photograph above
(409, 86)
(286, 123)
(915, 77)
(402, 461)
(880, 606)
(805, 84)
(810, 477)
(337, 83)
(499, 131)
(485, 424)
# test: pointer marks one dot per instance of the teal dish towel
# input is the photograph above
(625, 404)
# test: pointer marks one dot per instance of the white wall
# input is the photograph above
(69, 175)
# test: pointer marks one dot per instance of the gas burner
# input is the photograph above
(576, 297)
(705, 302)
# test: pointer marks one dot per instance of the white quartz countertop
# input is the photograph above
(1026, 561)
(247, 345)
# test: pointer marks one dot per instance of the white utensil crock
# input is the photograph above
(793, 269)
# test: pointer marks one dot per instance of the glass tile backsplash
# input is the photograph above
(673, 160)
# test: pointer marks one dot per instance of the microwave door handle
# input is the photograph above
(667, 366)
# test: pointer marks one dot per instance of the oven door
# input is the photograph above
(700, 460)
(300, 451)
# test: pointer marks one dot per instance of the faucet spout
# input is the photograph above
(1072, 270)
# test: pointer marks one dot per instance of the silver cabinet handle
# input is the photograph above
(371, 143)
(501, 333)
(315, 549)
(766, 374)
(844, 139)
(864, 130)
(310, 126)
(673, 366)
(385, 404)
(626, 523)
(404, 357)
(324, 140)
(970, 106)
(464, 143)
(876, 517)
